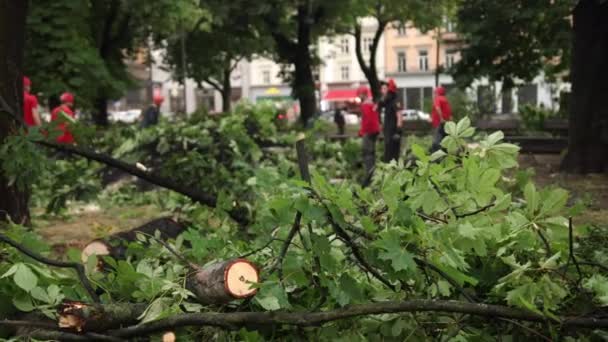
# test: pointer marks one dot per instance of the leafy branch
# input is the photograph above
(79, 268)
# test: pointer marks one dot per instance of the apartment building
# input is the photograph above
(340, 73)
(412, 59)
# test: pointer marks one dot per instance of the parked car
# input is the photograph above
(414, 114)
(349, 118)
(128, 116)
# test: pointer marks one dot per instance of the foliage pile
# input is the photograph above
(454, 225)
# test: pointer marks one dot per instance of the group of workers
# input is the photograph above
(388, 108)
(31, 115)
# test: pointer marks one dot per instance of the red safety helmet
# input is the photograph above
(67, 98)
(26, 82)
(158, 99)
(440, 91)
(392, 86)
(363, 90)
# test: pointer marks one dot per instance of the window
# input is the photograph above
(449, 25)
(401, 29)
(266, 76)
(401, 62)
(423, 60)
(367, 44)
(450, 58)
(344, 73)
(344, 46)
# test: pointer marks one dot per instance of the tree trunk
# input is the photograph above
(370, 71)
(226, 90)
(100, 114)
(97, 317)
(13, 201)
(588, 134)
(304, 82)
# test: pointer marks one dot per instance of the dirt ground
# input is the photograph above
(592, 189)
(89, 222)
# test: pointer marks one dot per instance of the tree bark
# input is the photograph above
(227, 89)
(13, 201)
(370, 70)
(100, 115)
(304, 82)
(224, 281)
(588, 134)
(97, 317)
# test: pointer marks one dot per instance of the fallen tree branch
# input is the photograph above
(237, 320)
(278, 266)
(357, 252)
(79, 268)
(51, 331)
(237, 214)
(425, 264)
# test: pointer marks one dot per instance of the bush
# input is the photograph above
(533, 118)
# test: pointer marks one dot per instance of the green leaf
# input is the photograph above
(551, 263)
(554, 202)
(269, 303)
(420, 153)
(450, 128)
(23, 302)
(11, 270)
(41, 295)
(25, 278)
(532, 199)
(598, 284)
(399, 257)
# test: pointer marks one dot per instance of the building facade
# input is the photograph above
(413, 57)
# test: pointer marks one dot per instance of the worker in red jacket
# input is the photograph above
(66, 107)
(370, 128)
(31, 115)
(442, 113)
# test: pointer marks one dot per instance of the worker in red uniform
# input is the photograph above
(67, 104)
(370, 129)
(31, 115)
(442, 113)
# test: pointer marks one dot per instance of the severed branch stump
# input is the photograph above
(225, 281)
(80, 316)
(115, 245)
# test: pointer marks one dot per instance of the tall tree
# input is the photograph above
(513, 43)
(13, 201)
(424, 14)
(82, 45)
(516, 42)
(294, 27)
(223, 36)
(588, 138)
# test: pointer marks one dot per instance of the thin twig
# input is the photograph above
(79, 268)
(431, 218)
(546, 242)
(278, 265)
(530, 330)
(480, 210)
(259, 249)
(453, 282)
(443, 196)
(571, 248)
(357, 252)
(594, 264)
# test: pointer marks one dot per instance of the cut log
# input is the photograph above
(116, 245)
(80, 316)
(224, 281)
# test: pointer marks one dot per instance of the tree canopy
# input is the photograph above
(513, 43)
